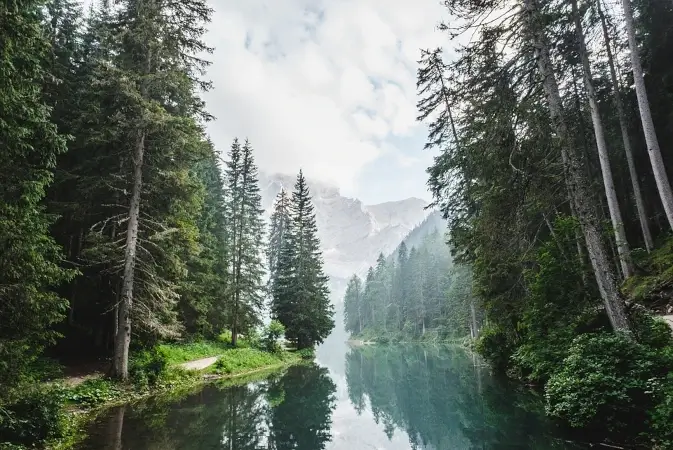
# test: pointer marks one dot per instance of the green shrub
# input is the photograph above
(148, 366)
(272, 334)
(493, 345)
(34, 418)
(661, 416)
(94, 392)
(224, 337)
(649, 330)
(307, 353)
(604, 382)
(253, 339)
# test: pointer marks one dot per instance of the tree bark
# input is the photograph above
(635, 184)
(623, 249)
(120, 367)
(473, 317)
(653, 150)
(579, 189)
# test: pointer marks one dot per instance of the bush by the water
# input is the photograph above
(34, 418)
(272, 334)
(307, 353)
(607, 382)
(148, 366)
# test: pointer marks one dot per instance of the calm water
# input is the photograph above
(373, 398)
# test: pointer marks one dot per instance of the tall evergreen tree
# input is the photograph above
(278, 231)
(246, 234)
(300, 296)
(203, 303)
(353, 306)
(145, 63)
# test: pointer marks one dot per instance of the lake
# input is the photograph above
(389, 397)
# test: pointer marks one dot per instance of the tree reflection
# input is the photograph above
(442, 398)
(289, 411)
(303, 419)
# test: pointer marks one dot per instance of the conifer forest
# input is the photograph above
(131, 243)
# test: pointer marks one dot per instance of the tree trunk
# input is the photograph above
(473, 317)
(623, 249)
(579, 189)
(115, 429)
(653, 149)
(120, 368)
(635, 184)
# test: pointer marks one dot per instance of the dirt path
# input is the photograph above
(199, 364)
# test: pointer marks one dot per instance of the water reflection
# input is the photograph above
(443, 398)
(288, 411)
(392, 398)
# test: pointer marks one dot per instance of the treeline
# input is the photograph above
(553, 129)
(120, 223)
(413, 294)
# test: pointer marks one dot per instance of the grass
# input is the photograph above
(241, 360)
(180, 353)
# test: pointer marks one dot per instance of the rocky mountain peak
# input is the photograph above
(352, 234)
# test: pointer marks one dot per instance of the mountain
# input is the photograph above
(352, 234)
(433, 222)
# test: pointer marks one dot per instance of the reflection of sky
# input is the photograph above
(350, 431)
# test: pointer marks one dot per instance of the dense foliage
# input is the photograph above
(541, 110)
(413, 294)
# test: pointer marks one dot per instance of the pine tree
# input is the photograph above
(353, 306)
(203, 302)
(145, 64)
(300, 295)
(246, 232)
(653, 149)
(29, 145)
(278, 230)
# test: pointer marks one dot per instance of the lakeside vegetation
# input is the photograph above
(55, 412)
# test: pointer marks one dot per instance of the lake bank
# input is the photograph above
(67, 406)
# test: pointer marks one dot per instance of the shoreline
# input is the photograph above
(78, 418)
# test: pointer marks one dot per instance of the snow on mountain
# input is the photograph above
(351, 234)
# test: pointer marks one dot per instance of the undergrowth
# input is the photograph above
(244, 359)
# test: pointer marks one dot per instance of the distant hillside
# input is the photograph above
(434, 222)
(352, 234)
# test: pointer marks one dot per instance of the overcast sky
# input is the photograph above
(326, 85)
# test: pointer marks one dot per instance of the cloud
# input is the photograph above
(328, 86)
